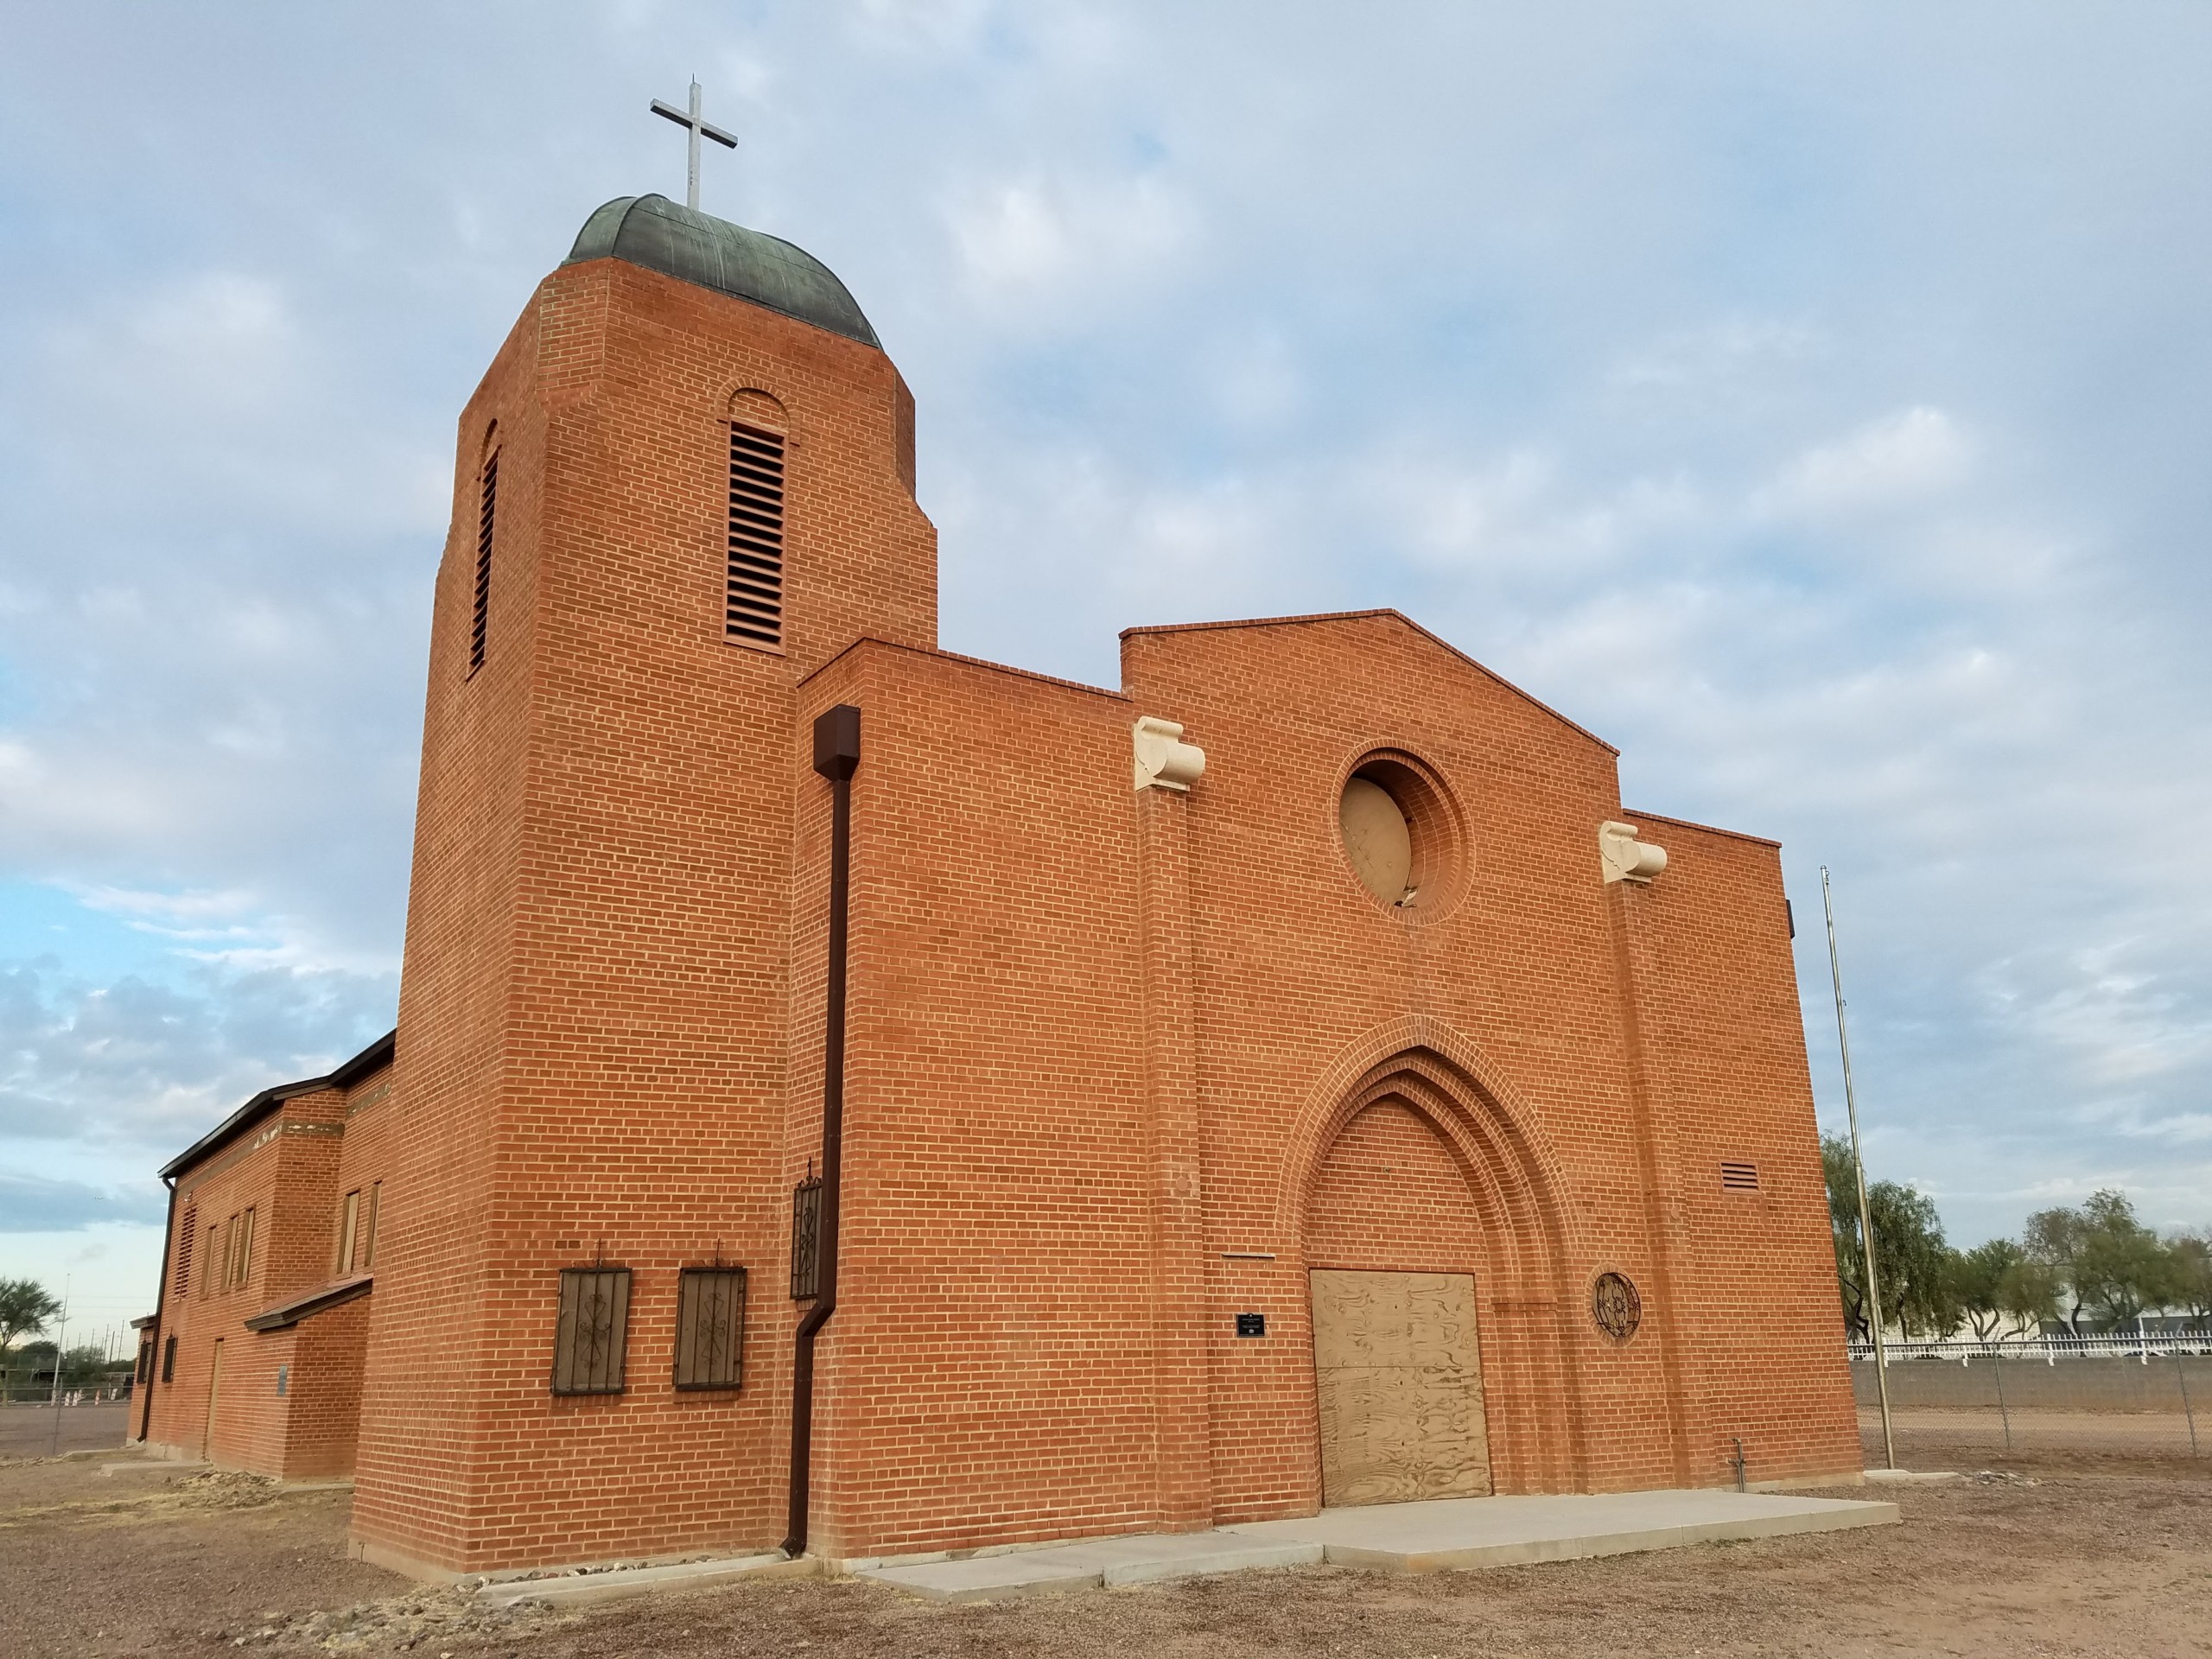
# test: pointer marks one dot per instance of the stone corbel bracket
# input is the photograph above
(1627, 859)
(1163, 759)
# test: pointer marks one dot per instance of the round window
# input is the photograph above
(1401, 833)
(1377, 839)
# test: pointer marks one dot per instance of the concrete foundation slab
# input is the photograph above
(1451, 1533)
(1478, 1532)
(574, 1589)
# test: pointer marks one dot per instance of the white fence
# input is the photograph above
(2155, 1345)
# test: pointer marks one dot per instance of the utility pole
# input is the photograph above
(1858, 1169)
(60, 1347)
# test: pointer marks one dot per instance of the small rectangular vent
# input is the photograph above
(753, 609)
(1740, 1178)
(591, 1344)
(487, 510)
(709, 1327)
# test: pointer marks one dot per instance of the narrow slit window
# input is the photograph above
(710, 1328)
(1740, 1177)
(487, 510)
(168, 1360)
(207, 1275)
(242, 1248)
(365, 1257)
(753, 607)
(591, 1342)
(349, 1224)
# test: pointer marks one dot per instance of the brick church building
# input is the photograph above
(852, 1095)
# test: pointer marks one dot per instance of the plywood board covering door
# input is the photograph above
(1399, 1373)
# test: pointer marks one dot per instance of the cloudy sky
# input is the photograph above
(1812, 399)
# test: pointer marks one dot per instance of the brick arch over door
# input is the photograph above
(1423, 1106)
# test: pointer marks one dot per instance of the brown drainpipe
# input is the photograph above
(160, 1307)
(837, 757)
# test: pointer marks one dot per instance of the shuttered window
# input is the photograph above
(487, 510)
(754, 611)
(168, 1360)
(710, 1328)
(1740, 1177)
(591, 1342)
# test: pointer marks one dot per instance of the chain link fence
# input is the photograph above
(2065, 1402)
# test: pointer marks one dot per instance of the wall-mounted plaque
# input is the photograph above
(1251, 1324)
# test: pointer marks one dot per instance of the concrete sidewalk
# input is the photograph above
(1425, 1537)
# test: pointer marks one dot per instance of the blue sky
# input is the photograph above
(1812, 400)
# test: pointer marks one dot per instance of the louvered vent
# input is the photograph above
(486, 511)
(1740, 1178)
(185, 1234)
(755, 612)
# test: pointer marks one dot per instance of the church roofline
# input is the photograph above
(1703, 828)
(377, 1054)
(972, 662)
(1395, 616)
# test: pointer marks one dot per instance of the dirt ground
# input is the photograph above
(2048, 1556)
(38, 1431)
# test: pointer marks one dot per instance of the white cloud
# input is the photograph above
(1896, 462)
(1067, 241)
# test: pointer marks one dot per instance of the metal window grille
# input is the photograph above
(710, 1328)
(169, 1360)
(591, 1342)
(1740, 1178)
(185, 1234)
(487, 508)
(806, 1238)
(754, 611)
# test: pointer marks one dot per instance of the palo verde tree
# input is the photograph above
(1912, 1261)
(25, 1307)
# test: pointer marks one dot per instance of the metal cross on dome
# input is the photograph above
(698, 128)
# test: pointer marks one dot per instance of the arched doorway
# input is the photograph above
(1411, 1156)
(1393, 1247)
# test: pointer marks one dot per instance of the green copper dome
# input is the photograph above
(695, 247)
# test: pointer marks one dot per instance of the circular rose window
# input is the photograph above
(1400, 833)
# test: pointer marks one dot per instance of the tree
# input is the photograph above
(1912, 1261)
(1977, 1277)
(25, 1307)
(2192, 1254)
(2028, 1295)
(2126, 1268)
(2110, 1265)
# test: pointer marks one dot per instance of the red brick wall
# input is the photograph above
(287, 1169)
(1105, 1046)
(593, 1059)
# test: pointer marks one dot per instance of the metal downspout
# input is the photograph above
(837, 757)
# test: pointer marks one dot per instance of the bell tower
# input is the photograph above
(686, 483)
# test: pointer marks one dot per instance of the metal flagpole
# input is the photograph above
(1858, 1168)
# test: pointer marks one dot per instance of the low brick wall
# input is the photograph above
(2097, 1384)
